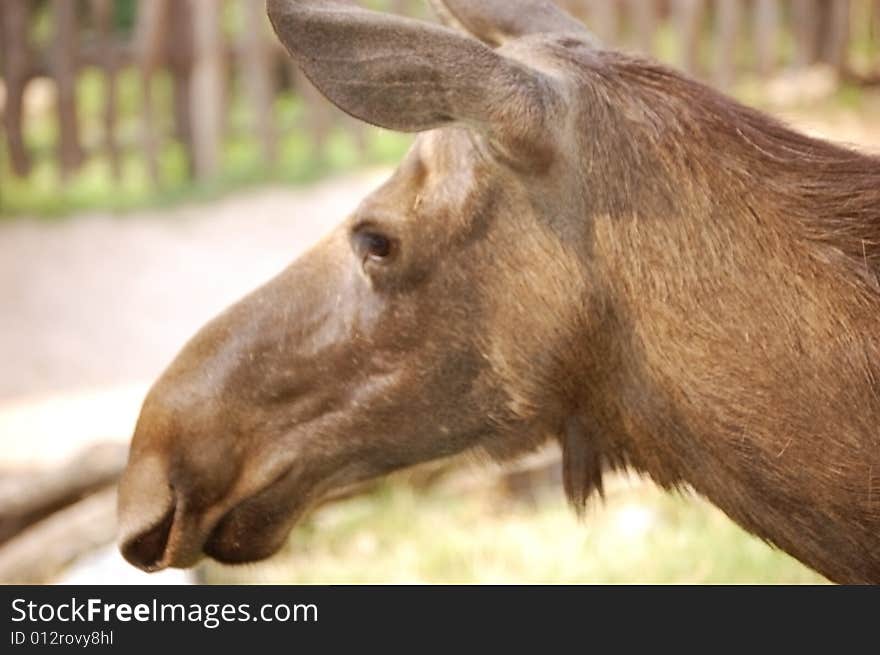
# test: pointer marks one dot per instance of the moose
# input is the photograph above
(581, 245)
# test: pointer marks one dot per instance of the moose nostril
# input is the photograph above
(147, 549)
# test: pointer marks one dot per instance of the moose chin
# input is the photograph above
(581, 246)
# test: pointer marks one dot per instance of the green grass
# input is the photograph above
(640, 535)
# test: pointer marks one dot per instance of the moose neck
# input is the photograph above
(747, 360)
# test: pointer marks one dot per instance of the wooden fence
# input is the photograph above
(206, 54)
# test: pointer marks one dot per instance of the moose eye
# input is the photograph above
(372, 245)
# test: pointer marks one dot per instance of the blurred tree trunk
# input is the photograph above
(207, 90)
(689, 19)
(103, 11)
(644, 22)
(604, 20)
(64, 68)
(179, 50)
(822, 31)
(152, 18)
(15, 52)
(729, 23)
(836, 34)
(767, 28)
(256, 71)
(876, 31)
(806, 16)
(318, 111)
(876, 21)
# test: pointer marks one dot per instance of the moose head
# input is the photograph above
(561, 255)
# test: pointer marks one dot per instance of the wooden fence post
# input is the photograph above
(876, 13)
(643, 15)
(689, 15)
(15, 50)
(64, 68)
(576, 8)
(806, 25)
(836, 34)
(605, 20)
(178, 47)
(729, 20)
(318, 116)
(185, 38)
(875, 23)
(256, 65)
(206, 108)
(767, 22)
(103, 13)
(151, 22)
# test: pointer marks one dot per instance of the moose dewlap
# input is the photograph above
(582, 246)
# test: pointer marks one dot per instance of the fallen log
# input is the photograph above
(26, 498)
(43, 551)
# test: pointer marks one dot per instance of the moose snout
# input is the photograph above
(180, 472)
(167, 513)
(192, 455)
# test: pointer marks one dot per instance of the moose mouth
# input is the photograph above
(251, 531)
(246, 530)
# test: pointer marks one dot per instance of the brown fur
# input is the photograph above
(744, 259)
(591, 248)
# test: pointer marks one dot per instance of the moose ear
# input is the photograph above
(411, 76)
(496, 21)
